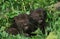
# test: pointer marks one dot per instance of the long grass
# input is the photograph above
(11, 8)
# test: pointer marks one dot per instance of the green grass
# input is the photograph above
(11, 8)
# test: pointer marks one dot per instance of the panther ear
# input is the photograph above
(45, 13)
(31, 11)
(15, 18)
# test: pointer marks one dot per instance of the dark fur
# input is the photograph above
(24, 25)
(12, 31)
(38, 17)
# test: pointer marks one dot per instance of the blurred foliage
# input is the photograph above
(11, 8)
(52, 35)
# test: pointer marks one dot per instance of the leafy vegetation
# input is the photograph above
(11, 8)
